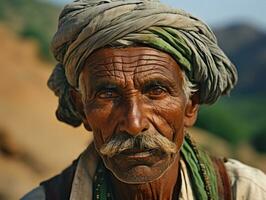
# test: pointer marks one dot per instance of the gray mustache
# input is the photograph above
(143, 141)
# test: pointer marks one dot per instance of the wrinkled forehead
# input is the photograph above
(142, 61)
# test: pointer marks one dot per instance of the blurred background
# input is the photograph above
(35, 146)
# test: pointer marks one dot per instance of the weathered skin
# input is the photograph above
(131, 90)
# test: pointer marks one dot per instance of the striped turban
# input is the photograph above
(87, 25)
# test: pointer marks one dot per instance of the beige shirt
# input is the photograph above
(246, 182)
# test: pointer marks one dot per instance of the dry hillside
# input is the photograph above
(33, 144)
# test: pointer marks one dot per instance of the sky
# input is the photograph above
(219, 12)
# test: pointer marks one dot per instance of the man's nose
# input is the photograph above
(134, 120)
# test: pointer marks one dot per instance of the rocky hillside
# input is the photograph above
(33, 144)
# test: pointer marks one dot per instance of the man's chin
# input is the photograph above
(132, 170)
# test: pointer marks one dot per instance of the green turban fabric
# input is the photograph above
(87, 25)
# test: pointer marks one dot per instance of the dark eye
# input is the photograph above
(107, 94)
(156, 91)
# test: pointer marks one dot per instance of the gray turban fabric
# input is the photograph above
(87, 25)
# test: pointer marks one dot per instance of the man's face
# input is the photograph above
(129, 92)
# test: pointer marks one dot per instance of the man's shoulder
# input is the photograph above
(60, 185)
(36, 193)
(57, 186)
(246, 182)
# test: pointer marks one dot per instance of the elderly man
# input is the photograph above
(134, 72)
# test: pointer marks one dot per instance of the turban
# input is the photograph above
(87, 25)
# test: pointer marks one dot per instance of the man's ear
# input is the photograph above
(191, 111)
(76, 99)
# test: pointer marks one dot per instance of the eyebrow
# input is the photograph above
(158, 80)
(106, 84)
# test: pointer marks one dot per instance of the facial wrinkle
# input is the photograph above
(117, 68)
(128, 60)
(124, 71)
(160, 119)
(140, 63)
(109, 55)
(101, 70)
(154, 64)
(164, 108)
(110, 73)
(151, 66)
(148, 70)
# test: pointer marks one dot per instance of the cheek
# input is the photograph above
(99, 117)
(168, 117)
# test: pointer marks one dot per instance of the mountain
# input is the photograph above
(246, 46)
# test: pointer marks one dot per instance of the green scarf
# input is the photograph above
(200, 169)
